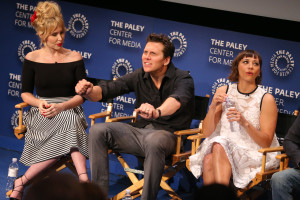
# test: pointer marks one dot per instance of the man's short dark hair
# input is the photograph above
(169, 47)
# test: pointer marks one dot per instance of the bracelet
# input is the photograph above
(159, 113)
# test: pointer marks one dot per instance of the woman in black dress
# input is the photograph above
(55, 123)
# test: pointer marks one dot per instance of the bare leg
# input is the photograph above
(208, 172)
(80, 165)
(221, 165)
(31, 173)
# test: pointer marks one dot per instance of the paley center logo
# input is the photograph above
(218, 83)
(78, 25)
(282, 63)
(177, 37)
(25, 47)
(121, 67)
(14, 120)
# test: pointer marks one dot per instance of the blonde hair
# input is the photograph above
(48, 18)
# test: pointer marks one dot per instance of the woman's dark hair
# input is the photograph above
(234, 75)
(169, 47)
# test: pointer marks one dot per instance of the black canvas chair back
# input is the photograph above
(201, 104)
(284, 122)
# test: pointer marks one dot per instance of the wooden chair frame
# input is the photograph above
(178, 160)
(176, 164)
(261, 176)
(62, 163)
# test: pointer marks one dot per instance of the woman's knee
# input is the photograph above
(207, 163)
(218, 148)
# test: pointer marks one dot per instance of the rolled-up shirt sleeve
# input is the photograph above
(184, 90)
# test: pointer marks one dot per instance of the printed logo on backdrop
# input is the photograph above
(218, 83)
(121, 67)
(23, 15)
(282, 63)
(177, 37)
(14, 120)
(14, 85)
(122, 34)
(223, 52)
(25, 47)
(78, 25)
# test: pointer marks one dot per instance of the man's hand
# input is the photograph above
(147, 111)
(83, 87)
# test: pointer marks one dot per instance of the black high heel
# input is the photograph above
(14, 188)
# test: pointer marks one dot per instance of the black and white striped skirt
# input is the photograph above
(51, 138)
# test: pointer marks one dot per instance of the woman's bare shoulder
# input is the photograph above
(73, 55)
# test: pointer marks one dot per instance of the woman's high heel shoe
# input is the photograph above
(14, 188)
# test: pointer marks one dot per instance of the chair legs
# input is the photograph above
(137, 185)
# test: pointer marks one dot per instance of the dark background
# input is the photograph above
(245, 23)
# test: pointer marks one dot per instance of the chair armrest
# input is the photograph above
(284, 161)
(281, 156)
(21, 105)
(20, 129)
(133, 118)
(271, 149)
(99, 115)
(195, 137)
(119, 119)
(264, 151)
(187, 131)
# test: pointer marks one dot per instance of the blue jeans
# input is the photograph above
(286, 185)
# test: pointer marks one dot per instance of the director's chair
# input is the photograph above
(62, 163)
(172, 166)
(260, 182)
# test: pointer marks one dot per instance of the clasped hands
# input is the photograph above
(147, 111)
(84, 87)
(50, 110)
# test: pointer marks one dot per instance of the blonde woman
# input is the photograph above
(55, 123)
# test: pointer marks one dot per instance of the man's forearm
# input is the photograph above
(169, 107)
(94, 95)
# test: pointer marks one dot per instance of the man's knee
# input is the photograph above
(97, 131)
(275, 178)
(160, 140)
(279, 178)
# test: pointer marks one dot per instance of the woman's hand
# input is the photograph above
(83, 87)
(43, 106)
(52, 110)
(234, 115)
(218, 99)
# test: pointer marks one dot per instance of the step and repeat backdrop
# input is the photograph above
(111, 44)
